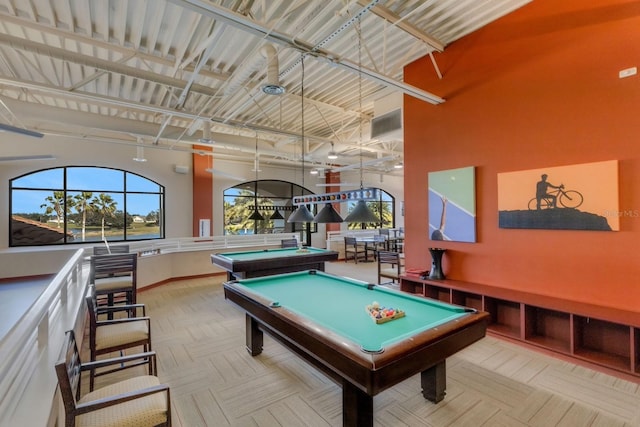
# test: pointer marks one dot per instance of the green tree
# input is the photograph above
(105, 206)
(56, 204)
(82, 204)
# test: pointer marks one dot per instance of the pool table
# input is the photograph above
(265, 262)
(323, 319)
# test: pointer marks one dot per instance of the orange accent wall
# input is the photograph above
(202, 189)
(538, 88)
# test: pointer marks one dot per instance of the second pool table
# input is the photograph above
(322, 318)
(265, 262)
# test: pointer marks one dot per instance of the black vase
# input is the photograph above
(436, 263)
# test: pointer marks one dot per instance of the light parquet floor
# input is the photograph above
(199, 339)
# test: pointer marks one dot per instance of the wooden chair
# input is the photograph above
(379, 244)
(116, 249)
(389, 266)
(108, 336)
(289, 243)
(351, 246)
(139, 401)
(115, 277)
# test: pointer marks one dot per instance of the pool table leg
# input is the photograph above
(254, 336)
(357, 407)
(434, 382)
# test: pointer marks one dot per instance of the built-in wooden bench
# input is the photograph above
(601, 335)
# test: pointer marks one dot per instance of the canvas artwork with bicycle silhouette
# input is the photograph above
(573, 197)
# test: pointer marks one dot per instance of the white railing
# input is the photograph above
(29, 351)
(186, 244)
(335, 239)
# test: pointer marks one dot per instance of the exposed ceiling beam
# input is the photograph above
(241, 22)
(397, 20)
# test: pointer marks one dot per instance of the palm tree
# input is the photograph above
(82, 203)
(105, 206)
(56, 204)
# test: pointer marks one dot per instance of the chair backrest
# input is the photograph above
(388, 257)
(383, 231)
(379, 239)
(289, 243)
(68, 372)
(113, 264)
(116, 249)
(92, 308)
(349, 241)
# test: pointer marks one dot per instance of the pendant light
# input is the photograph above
(328, 215)
(256, 215)
(301, 214)
(361, 212)
(276, 215)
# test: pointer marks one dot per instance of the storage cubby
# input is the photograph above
(505, 316)
(407, 285)
(438, 292)
(587, 332)
(548, 328)
(636, 351)
(602, 342)
(467, 299)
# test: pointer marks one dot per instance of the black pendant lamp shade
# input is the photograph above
(301, 214)
(328, 215)
(256, 216)
(276, 215)
(361, 213)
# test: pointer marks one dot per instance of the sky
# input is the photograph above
(98, 180)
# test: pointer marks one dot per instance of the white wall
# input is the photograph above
(160, 168)
(75, 152)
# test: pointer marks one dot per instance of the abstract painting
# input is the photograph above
(452, 205)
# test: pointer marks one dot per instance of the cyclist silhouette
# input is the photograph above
(541, 191)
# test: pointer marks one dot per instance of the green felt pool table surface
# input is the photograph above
(264, 262)
(339, 304)
(323, 319)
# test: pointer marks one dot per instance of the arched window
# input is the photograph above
(268, 195)
(383, 207)
(77, 204)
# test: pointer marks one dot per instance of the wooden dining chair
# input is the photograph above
(109, 336)
(140, 401)
(115, 277)
(389, 266)
(351, 246)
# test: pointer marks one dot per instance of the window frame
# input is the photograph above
(124, 194)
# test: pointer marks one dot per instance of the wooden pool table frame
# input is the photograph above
(247, 268)
(362, 375)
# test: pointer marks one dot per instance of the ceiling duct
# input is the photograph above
(272, 85)
(253, 64)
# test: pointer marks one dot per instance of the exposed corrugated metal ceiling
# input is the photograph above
(158, 72)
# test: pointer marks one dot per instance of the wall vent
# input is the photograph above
(388, 126)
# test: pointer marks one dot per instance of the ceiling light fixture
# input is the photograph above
(361, 212)
(139, 154)
(332, 154)
(206, 134)
(301, 214)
